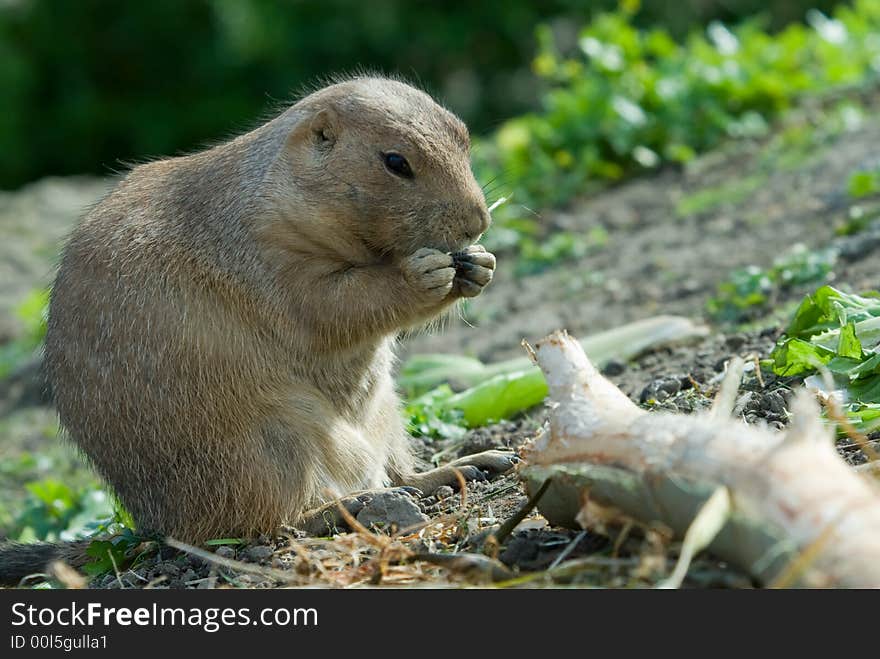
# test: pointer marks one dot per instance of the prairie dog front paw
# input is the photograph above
(474, 268)
(430, 272)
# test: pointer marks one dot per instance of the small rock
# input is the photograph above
(260, 553)
(295, 534)
(748, 403)
(443, 492)
(660, 389)
(189, 575)
(735, 342)
(774, 402)
(485, 439)
(613, 368)
(519, 549)
(225, 551)
(721, 364)
(391, 509)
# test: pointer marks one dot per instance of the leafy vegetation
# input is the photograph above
(114, 93)
(708, 199)
(748, 292)
(535, 255)
(864, 183)
(55, 511)
(630, 99)
(840, 333)
(430, 415)
(627, 100)
(32, 314)
(113, 553)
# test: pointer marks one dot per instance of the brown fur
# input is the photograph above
(221, 327)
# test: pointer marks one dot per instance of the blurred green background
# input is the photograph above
(88, 85)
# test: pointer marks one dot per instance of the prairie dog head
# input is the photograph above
(385, 168)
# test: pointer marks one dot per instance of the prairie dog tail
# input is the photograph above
(19, 560)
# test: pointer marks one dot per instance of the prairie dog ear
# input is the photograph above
(319, 130)
(324, 127)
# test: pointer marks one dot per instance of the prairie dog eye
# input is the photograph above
(397, 164)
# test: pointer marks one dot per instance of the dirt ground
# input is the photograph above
(672, 237)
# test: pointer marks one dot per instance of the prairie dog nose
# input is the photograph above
(478, 222)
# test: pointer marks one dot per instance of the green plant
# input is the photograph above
(858, 219)
(628, 99)
(838, 333)
(32, 313)
(430, 415)
(864, 183)
(748, 292)
(53, 511)
(537, 255)
(114, 553)
(710, 198)
(115, 93)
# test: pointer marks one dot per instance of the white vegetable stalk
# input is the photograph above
(795, 507)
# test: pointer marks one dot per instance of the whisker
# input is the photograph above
(489, 193)
(531, 210)
(460, 309)
(489, 182)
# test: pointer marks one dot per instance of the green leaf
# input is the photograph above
(113, 553)
(838, 330)
(101, 552)
(225, 541)
(429, 415)
(849, 345)
(864, 184)
(796, 356)
(500, 397)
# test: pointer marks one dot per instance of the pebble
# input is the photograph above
(443, 492)
(225, 551)
(260, 553)
(774, 402)
(613, 368)
(660, 389)
(389, 509)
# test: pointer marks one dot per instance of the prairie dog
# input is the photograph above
(221, 327)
